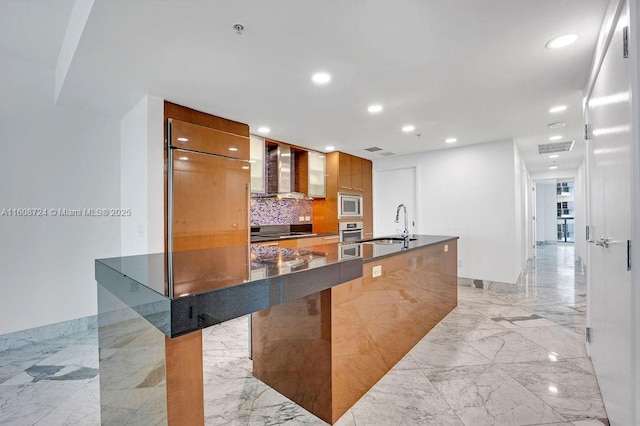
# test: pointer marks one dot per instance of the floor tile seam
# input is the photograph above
(353, 416)
(535, 396)
(552, 362)
(538, 344)
(493, 364)
(486, 315)
(253, 400)
(441, 395)
(49, 411)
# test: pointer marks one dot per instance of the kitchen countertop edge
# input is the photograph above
(177, 316)
(420, 241)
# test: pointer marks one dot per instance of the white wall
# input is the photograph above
(142, 177)
(52, 157)
(521, 177)
(468, 192)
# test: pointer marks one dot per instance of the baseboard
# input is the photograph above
(22, 338)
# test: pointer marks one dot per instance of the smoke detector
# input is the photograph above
(239, 28)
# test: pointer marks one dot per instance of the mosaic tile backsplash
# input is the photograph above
(273, 211)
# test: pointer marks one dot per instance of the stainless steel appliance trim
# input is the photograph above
(349, 246)
(347, 226)
(358, 198)
(169, 210)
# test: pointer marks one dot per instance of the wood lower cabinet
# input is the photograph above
(326, 350)
(297, 242)
(331, 239)
(301, 242)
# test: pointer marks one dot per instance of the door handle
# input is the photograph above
(603, 242)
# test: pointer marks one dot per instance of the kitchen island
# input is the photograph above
(314, 301)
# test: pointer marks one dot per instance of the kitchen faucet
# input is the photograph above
(405, 231)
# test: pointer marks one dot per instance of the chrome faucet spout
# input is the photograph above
(405, 231)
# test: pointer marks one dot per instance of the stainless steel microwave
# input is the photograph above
(349, 206)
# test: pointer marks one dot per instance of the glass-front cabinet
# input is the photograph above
(256, 156)
(317, 173)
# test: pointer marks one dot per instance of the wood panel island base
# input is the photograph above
(325, 330)
(326, 350)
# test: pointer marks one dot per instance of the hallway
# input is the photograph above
(507, 355)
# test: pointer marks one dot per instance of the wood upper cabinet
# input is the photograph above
(204, 139)
(344, 171)
(350, 173)
(357, 178)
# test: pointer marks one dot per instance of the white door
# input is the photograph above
(611, 301)
(395, 187)
(533, 216)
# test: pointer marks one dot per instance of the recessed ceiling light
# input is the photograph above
(321, 77)
(263, 129)
(375, 108)
(329, 148)
(233, 149)
(183, 158)
(558, 108)
(554, 156)
(183, 139)
(408, 128)
(555, 138)
(553, 167)
(245, 167)
(451, 140)
(557, 125)
(561, 41)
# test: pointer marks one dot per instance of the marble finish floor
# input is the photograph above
(507, 355)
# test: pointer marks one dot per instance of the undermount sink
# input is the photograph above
(388, 240)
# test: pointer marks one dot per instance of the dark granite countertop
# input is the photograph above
(371, 250)
(185, 291)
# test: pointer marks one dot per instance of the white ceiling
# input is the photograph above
(476, 70)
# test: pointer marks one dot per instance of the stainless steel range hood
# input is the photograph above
(281, 173)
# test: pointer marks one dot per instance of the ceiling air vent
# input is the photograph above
(373, 149)
(549, 148)
(388, 154)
